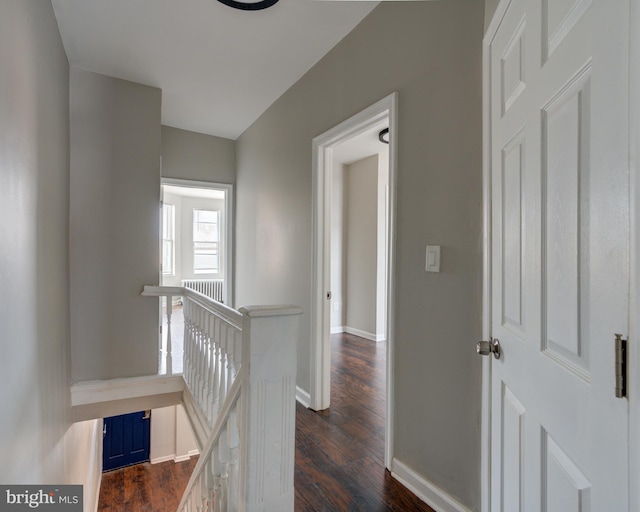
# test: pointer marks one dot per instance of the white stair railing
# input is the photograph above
(239, 369)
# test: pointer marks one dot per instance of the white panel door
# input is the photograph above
(560, 269)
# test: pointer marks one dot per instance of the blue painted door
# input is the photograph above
(126, 440)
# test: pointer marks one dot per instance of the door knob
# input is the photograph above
(485, 348)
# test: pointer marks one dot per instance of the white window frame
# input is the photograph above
(171, 239)
(215, 245)
(227, 224)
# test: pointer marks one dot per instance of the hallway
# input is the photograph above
(340, 451)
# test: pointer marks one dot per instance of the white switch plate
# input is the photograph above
(433, 258)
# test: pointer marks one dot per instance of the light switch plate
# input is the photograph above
(433, 258)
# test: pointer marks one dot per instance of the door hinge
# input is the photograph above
(621, 366)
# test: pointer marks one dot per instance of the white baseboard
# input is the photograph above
(164, 458)
(428, 492)
(364, 334)
(303, 397)
(174, 457)
(339, 329)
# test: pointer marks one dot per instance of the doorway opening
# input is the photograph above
(353, 221)
(196, 253)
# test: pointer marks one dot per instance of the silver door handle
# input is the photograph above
(485, 348)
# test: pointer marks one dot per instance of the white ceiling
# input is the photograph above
(200, 192)
(219, 68)
(361, 146)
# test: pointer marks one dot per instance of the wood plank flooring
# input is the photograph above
(339, 452)
(145, 487)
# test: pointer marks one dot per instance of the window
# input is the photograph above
(168, 239)
(206, 237)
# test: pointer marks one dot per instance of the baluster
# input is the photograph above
(208, 478)
(168, 354)
(234, 449)
(237, 339)
(216, 380)
(203, 361)
(217, 481)
(197, 348)
(225, 457)
(223, 364)
(229, 335)
(192, 348)
(210, 366)
(202, 490)
(188, 353)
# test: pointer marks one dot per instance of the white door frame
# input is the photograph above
(228, 226)
(634, 259)
(634, 225)
(485, 419)
(320, 385)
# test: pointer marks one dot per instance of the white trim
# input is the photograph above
(95, 462)
(228, 226)
(338, 329)
(485, 417)
(164, 458)
(197, 420)
(97, 391)
(303, 397)
(634, 257)
(320, 366)
(427, 491)
(175, 458)
(364, 334)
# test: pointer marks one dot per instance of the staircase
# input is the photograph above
(239, 369)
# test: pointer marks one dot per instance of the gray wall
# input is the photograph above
(115, 226)
(490, 7)
(38, 443)
(362, 244)
(195, 156)
(430, 52)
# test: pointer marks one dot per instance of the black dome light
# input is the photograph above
(249, 6)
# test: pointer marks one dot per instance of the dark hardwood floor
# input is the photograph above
(145, 487)
(339, 452)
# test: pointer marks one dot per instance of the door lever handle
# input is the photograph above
(485, 348)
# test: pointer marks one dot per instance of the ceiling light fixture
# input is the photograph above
(383, 136)
(249, 6)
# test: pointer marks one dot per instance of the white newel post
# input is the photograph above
(269, 407)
